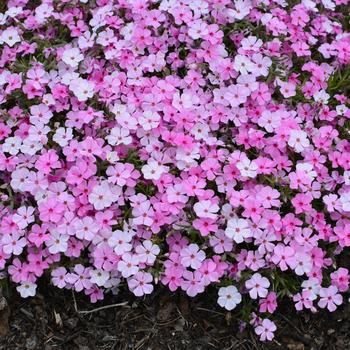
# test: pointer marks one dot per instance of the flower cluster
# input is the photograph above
(187, 143)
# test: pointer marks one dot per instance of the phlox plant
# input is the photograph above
(193, 144)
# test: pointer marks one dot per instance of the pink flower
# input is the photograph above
(191, 256)
(340, 278)
(13, 243)
(236, 95)
(193, 283)
(120, 242)
(80, 278)
(303, 300)
(140, 283)
(48, 161)
(173, 278)
(283, 256)
(59, 277)
(128, 266)
(51, 210)
(269, 304)
(302, 202)
(18, 271)
(102, 196)
(330, 298)
(147, 252)
(146, 142)
(265, 330)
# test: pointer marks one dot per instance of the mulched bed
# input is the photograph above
(61, 320)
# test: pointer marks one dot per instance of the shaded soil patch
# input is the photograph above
(57, 320)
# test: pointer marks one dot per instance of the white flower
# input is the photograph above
(112, 157)
(238, 229)
(149, 120)
(42, 12)
(298, 140)
(257, 286)
(345, 201)
(147, 252)
(3, 18)
(57, 243)
(229, 297)
(86, 228)
(199, 7)
(120, 242)
(99, 277)
(313, 286)
(308, 169)
(247, 167)
(309, 4)
(86, 40)
(10, 36)
(243, 64)
(26, 289)
(346, 177)
(119, 136)
(31, 146)
(72, 57)
(82, 89)
(119, 110)
(69, 76)
(152, 170)
(128, 266)
(269, 120)
(14, 11)
(12, 145)
(328, 4)
(302, 264)
(184, 101)
(243, 8)
(13, 243)
(321, 97)
(200, 131)
(102, 196)
(198, 29)
(206, 209)
(23, 217)
(341, 109)
(63, 136)
(19, 178)
(4, 76)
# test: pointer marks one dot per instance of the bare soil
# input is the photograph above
(60, 320)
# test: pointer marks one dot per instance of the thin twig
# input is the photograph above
(85, 312)
(211, 311)
(74, 301)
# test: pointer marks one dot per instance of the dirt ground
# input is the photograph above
(59, 320)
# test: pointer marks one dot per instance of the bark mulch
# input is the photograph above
(57, 319)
